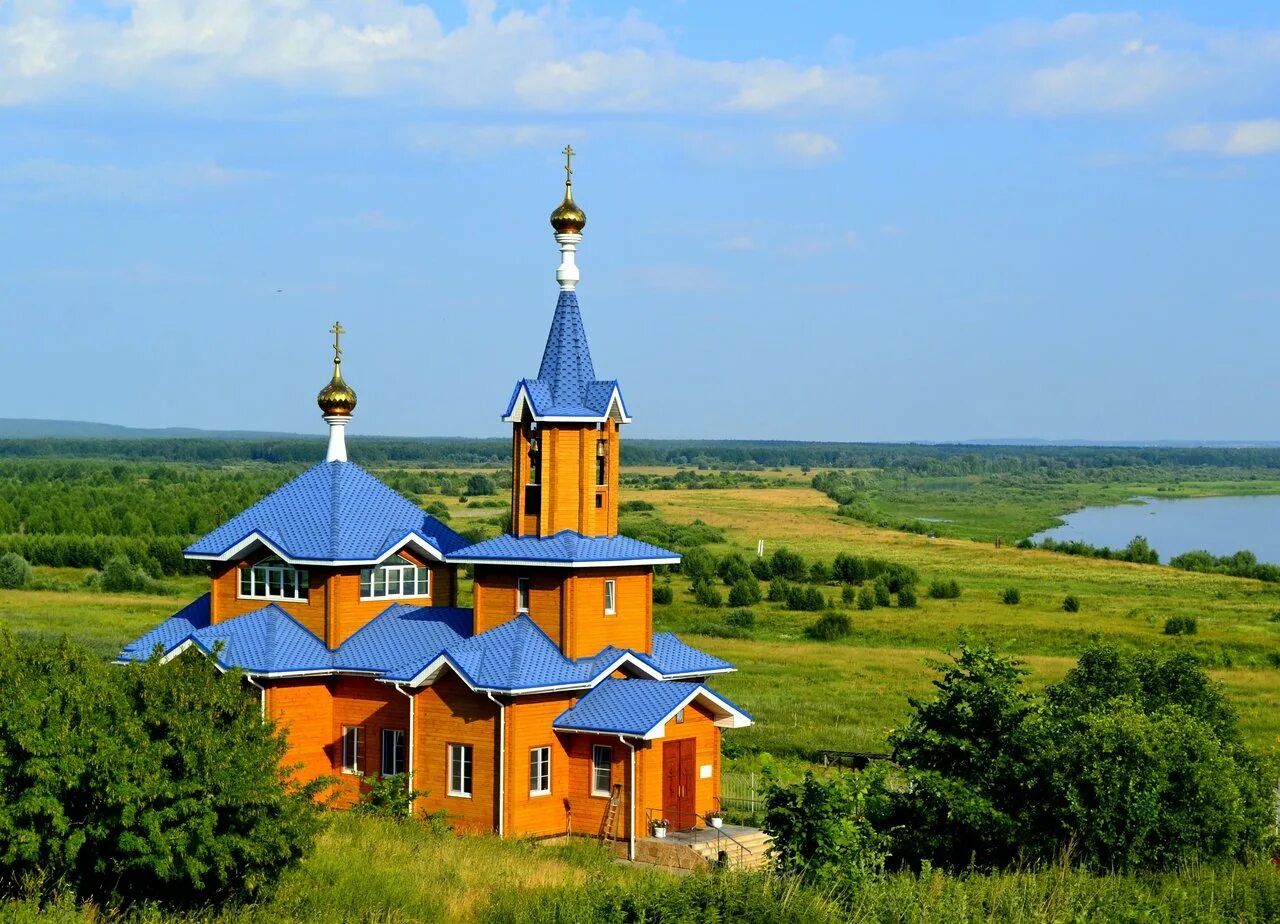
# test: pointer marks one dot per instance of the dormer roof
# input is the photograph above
(566, 389)
(335, 513)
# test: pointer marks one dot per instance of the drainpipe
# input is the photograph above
(413, 701)
(502, 760)
(631, 807)
(262, 694)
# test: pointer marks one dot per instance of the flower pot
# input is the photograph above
(659, 831)
(716, 821)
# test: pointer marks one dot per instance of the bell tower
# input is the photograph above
(565, 423)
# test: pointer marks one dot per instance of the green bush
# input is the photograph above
(741, 618)
(820, 828)
(883, 596)
(760, 568)
(788, 564)
(1071, 604)
(805, 599)
(698, 564)
(1181, 625)
(733, 568)
(779, 588)
(745, 591)
(944, 590)
(830, 626)
(479, 485)
(662, 593)
(705, 593)
(866, 597)
(153, 781)
(636, 506)
(907, 598)
(15, 572)
(819, 573)
(1011, 596)
(438, 510)
(121, 576)
(848, 594)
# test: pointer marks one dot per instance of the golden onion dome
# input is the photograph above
(568, 218)
(337, 399)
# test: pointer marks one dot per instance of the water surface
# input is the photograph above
(1220, 525)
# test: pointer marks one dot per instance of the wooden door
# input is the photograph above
(678, 782)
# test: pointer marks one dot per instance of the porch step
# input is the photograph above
(743, 847)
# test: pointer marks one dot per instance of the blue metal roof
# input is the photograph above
(632, 707)
(334, 511)
(266, 641)
(401, 634)
(564, 548)
(170, 633)
(674, 658)
(566, 385)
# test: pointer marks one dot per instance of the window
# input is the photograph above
(610, 598)
(535, 461)
(601, 770)
(392, 752)
(273, 579)
(680, 717)
(540, 771)
(396, 577)
(601, 457)
(522, 595)
(352, 748)
(460, 770)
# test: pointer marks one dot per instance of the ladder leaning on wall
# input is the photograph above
(609, 828)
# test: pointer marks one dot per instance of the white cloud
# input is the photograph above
(114, 182)
(807, 148)
(740, 243)
(470, 141)
(1232, 139)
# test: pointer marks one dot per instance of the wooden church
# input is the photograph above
(551, 706)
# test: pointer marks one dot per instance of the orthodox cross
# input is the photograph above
(337, 330)
(568, 153)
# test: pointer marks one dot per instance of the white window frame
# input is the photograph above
(352, 749)
(540, 771)
(257, 581)
(410, 580)
(396, 751)
(523, 597)
(598, 751)
(611, 597)
(461, 758)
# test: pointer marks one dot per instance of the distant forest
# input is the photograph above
(745, 455)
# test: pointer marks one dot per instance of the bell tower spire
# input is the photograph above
(568, 220)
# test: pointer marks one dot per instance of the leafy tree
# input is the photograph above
(805, 599)
(907, 598)
(788, 564)
(848, 594)
(706, 594)
(820, 828)
(745, 591)
(1140, 551)
(698, 564)
(760, 568)
(1011, 596)
(155, 781)
(779, 588)
(866, 597)
(883, 596)
(733, 568)
(819, 572)
(849, 569)
(479, 485)
(973, 757)
(15, 572)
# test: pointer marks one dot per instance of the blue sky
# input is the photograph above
(846, 221)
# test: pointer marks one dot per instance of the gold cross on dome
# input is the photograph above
(337, 330)
(568, 153)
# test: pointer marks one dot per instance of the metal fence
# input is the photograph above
(740, 794)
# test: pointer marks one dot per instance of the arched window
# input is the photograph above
(273, 579)
(395, 577)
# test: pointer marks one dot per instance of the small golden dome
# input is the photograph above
(337, 399)
(568, 218)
